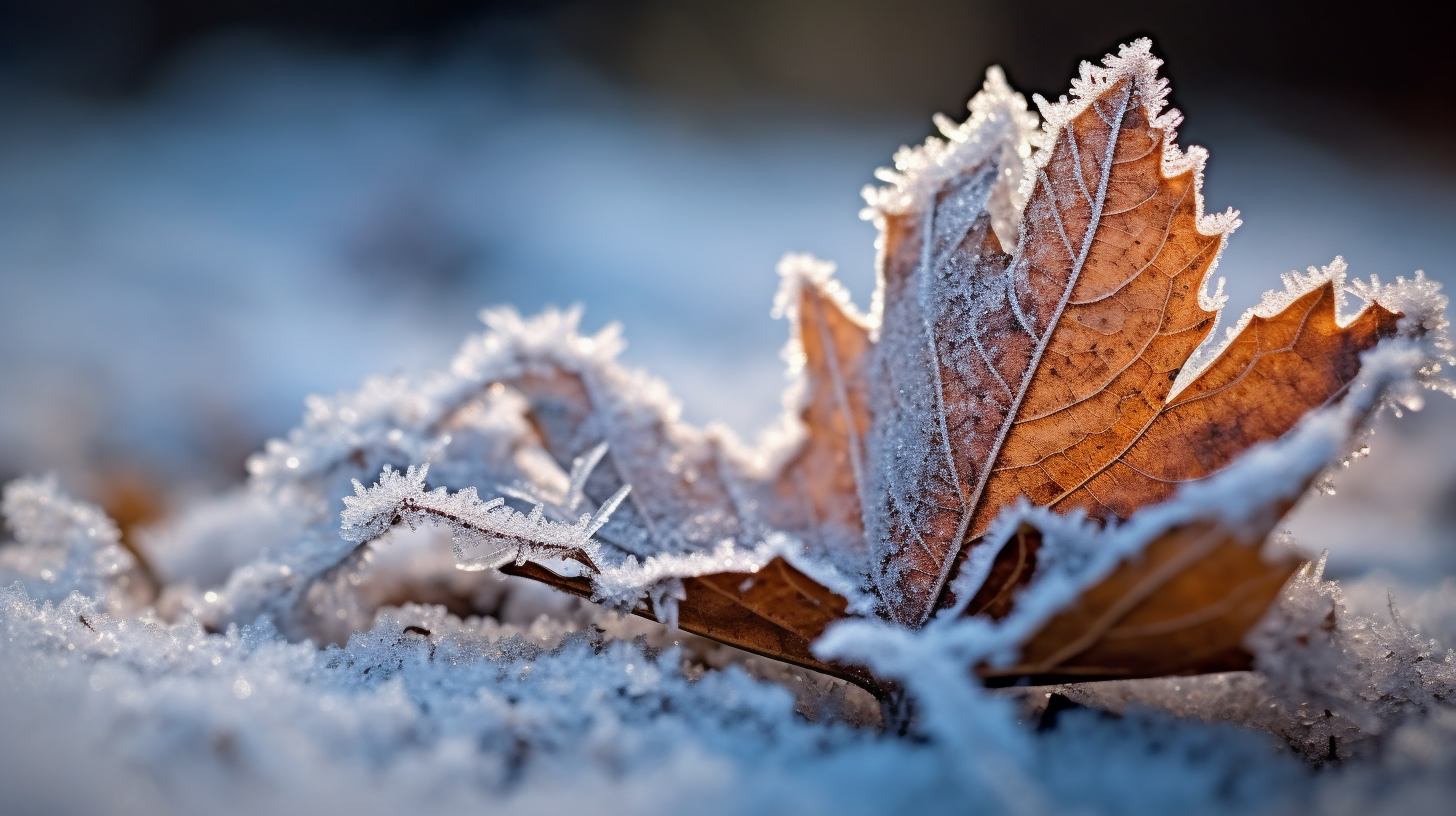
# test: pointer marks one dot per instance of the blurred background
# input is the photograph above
(210, 208)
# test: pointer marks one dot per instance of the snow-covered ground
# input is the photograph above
(176, 273)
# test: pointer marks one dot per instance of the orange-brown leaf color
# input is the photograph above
(1181, 606)
(819, 488)
(1114, 257)
(776, 612)
(1118, 286)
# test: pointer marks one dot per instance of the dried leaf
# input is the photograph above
(679, 501)
(949, 350)
(1055, 377)
(1033, 349)
(1181, 606)
(816, 492)
(776, 612)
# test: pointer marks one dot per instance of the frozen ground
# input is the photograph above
(177, 273)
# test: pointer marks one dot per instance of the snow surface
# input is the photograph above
(427, 711)
(214, 700)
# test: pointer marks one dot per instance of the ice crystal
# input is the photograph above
(506, 535)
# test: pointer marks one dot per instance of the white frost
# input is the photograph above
(505, 534)
(999, 122)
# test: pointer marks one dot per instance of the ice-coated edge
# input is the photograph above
(514, 536)
(781, 439)
(798, 272)
(377, 416)
(920, 171)
(1135, 62)
(999, 121)
(658, 578)
(1401, 297)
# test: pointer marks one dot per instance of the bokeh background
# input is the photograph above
(209, 209)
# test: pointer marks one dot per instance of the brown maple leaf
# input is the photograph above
(1033, 348)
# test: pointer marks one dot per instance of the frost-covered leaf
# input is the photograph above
(1183, 604)
(499, 533)
(950, 351)
(815, 494)
(774, 610)
(1039, 341)
(1065, 376)
(765, 606)
(1052, 374)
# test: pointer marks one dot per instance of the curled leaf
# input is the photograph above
(1181, 606)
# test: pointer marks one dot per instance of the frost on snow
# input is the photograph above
(261, 659)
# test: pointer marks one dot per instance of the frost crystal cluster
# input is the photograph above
(350, 631)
